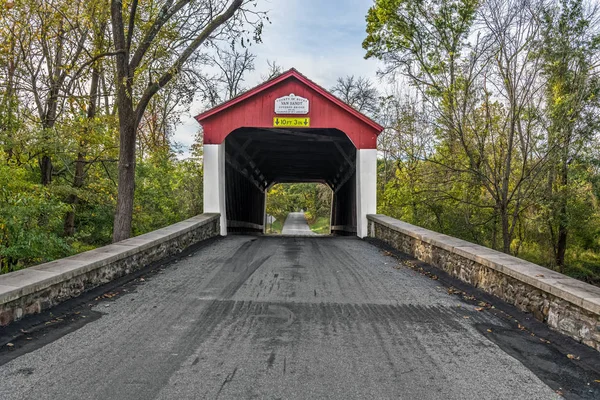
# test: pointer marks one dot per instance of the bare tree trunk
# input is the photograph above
(124, 212)
(495, 230)
(79, 178)
(49, 118)
(130, 116)
(73, 199)
(127, 129)
(563, 228)
(506, 237)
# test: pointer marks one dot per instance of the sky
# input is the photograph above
(320, 38)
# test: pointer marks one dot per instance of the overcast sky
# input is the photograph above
(320, 38)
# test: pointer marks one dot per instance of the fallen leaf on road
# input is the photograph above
(597, 380)
(539, 276)
(572, 357)
(466, 317)
(452, 290)
(10, 345)
(545, 341)
(478, 308)
(489, 330)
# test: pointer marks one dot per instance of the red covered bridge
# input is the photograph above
(288, 129)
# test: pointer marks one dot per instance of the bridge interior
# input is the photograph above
(257, 158)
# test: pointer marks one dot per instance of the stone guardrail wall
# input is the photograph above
(567, 305)
(31, 290)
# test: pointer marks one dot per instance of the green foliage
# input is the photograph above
(420, 38)
(314, 199)
(30, 221)
(509, 121)
(167, 191)
(321, 226)
(32, 216)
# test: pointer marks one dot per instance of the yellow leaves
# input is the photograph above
(573, 357)
(108, 295)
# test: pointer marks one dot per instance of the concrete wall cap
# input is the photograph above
(572, 290)
(30, 280)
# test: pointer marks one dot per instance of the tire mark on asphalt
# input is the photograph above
(228, 379)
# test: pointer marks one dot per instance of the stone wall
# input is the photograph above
(34, 289)
(567, 305)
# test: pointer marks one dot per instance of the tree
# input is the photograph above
(358, 93)
(175, 30)
(273, 71)
(52, 46)
(482, 90)
(569, 50)
(232, 66)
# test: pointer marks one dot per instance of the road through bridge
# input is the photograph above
(269, 317)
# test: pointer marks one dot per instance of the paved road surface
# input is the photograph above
(279, 318)
(295, 224)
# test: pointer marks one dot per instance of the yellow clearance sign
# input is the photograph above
(301, 122)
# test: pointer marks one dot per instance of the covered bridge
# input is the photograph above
(288, 129)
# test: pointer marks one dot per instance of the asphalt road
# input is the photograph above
(295, 225)
(282, 318)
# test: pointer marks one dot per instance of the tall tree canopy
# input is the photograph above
(495, 137)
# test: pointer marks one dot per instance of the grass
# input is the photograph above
(276, 227)
(581, 264)
(321, 226)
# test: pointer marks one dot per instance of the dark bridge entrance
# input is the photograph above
(288, 130)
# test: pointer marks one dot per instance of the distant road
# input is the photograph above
(278, 317)
(296, 224)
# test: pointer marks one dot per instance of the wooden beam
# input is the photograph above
(255, 170)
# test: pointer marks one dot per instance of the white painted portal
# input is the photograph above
(366, 188)
(214, 182)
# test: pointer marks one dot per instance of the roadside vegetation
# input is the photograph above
(312, 198)
(493, 137)
(321, 225)
(91, 93)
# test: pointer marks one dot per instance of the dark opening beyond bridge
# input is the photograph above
(288, 129)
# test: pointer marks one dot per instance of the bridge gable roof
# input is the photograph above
(255, 109)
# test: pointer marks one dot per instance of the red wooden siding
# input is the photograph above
(256, 109)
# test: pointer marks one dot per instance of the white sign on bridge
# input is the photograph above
(291, 104)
